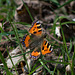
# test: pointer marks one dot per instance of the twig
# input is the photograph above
(68, 43)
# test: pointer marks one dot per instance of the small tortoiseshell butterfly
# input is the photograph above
(35, 40)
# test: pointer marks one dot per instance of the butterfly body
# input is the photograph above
(30, 41)
(36, 40)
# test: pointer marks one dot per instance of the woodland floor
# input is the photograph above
(57, 18)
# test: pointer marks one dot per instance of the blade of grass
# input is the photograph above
(56, 64)
(28, 10)
(45, 66)
(73, 22)
(23, 23)
(35, 65)
(70, 47)
(58, 73)
(12, 32)
(5, 65)
(21, 54)
(3, 72)
(55, 1)
(44, 71)
(12, 62)
(1, 34)
(55, 21)
(17, 37)
(64, 41)
(1, 2)
(17, 63)
(63, 53)
(69, 1)
(65, 63)
(6, 35)
(73, 58)
(34, 70)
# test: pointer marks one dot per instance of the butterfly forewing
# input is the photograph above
(36, 28)
(26, 39)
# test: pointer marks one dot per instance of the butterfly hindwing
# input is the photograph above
(35, 54)
(46, 48)
(36, 28)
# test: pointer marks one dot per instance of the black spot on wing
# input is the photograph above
(50, 48)
(33, 24)
(48, 45)
(38, 26)
(45, 42)
(43, 48)
(34, 32)
(39, 30)
(33, 29)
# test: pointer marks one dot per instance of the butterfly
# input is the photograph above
(36, 40)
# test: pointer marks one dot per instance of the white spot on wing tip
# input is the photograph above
(51, 49)
(38, 22)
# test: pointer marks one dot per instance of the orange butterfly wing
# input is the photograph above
(46, 48)
(36, 28)
(25, 42)
(35, 54)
